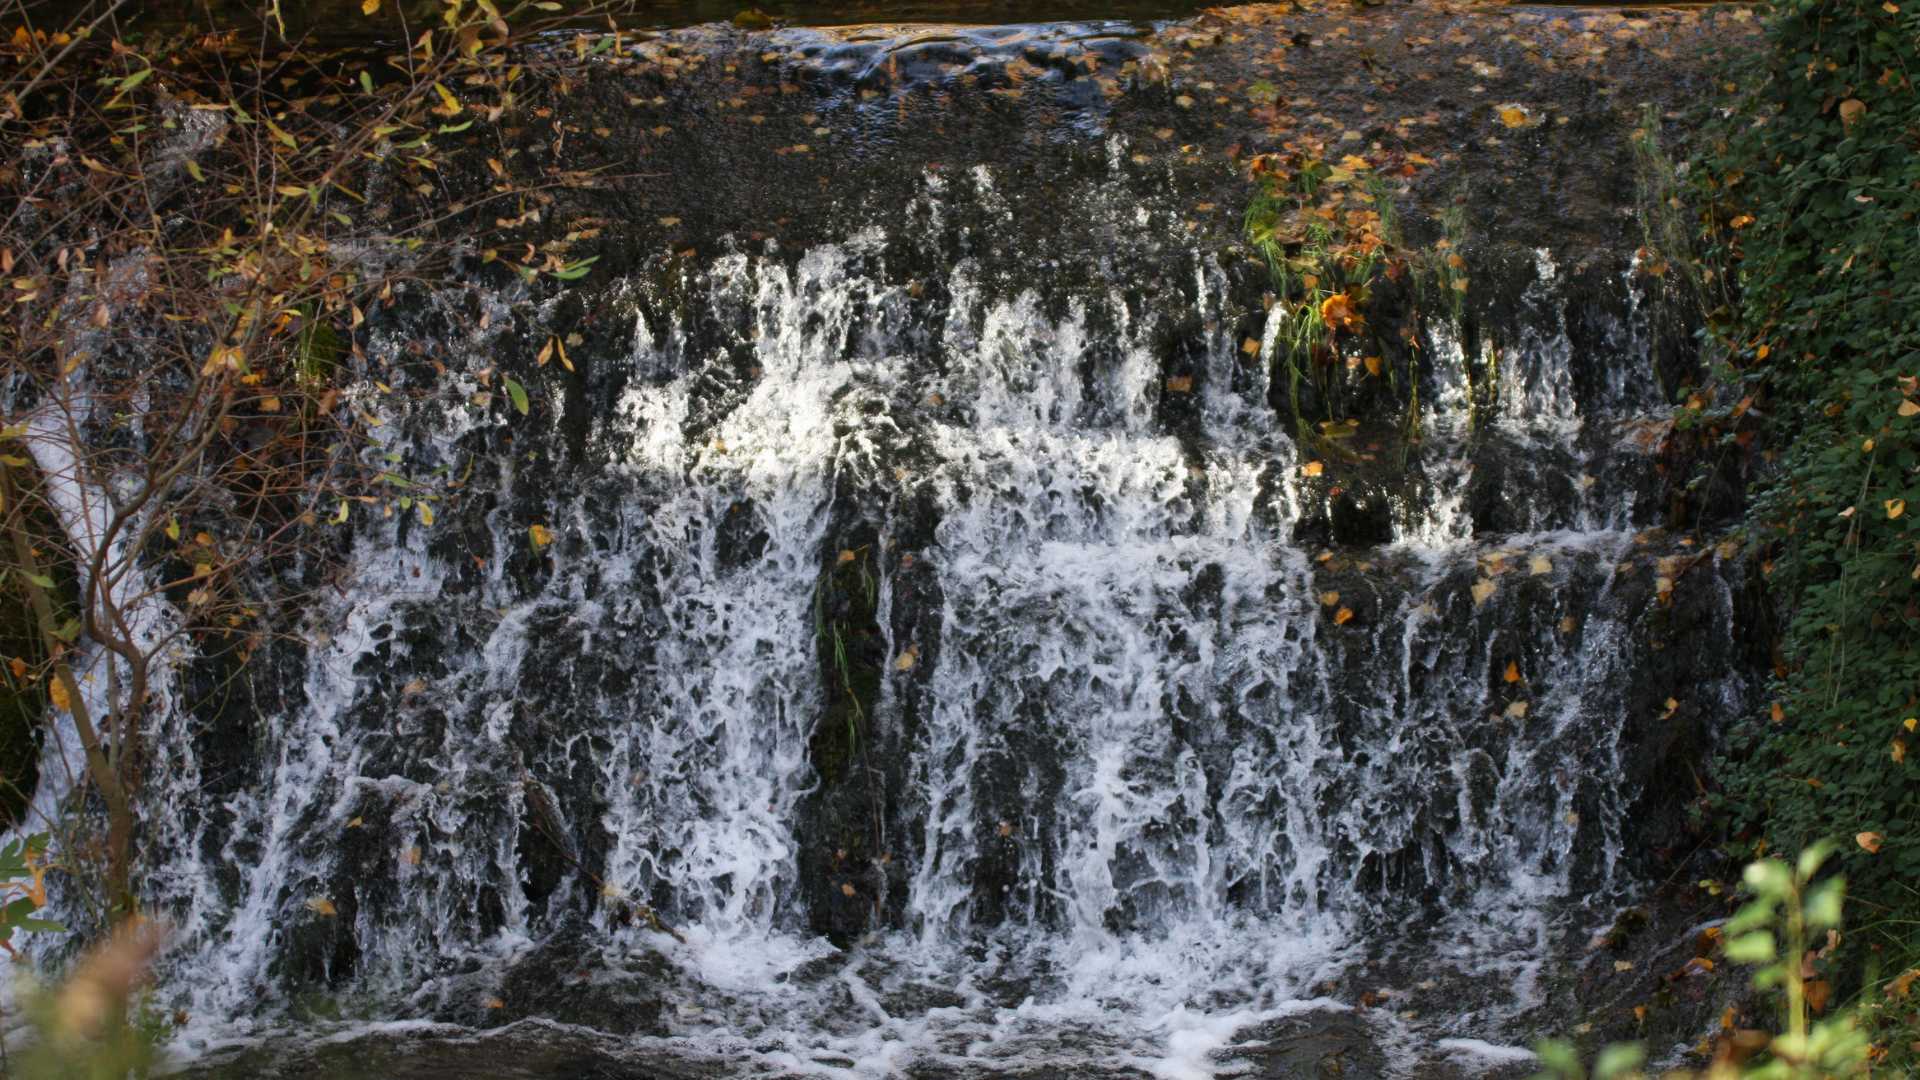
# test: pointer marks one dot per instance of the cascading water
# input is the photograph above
(880, 662)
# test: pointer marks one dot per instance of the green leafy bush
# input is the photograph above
(1812, 192)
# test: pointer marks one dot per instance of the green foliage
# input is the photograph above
(1796, 904)
(1811, 190)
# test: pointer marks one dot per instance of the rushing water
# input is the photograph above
(1151, 765)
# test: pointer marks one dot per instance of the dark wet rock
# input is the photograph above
(1317, 1046)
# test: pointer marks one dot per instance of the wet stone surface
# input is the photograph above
(957, 623)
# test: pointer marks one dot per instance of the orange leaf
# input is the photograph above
(57, 694)
(1870, 841)
(1338, 312)
(1819, 991)
(1512, 674)
(1343, 616)
(1312, 468)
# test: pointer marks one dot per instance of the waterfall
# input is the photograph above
(931, 623)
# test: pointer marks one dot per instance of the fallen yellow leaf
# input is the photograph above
(1312, 468)
(1513, 116)
(57, 694)
(1343, 616)
(540, 535)
(1329, 598)
(1895, 507)
(320, 905)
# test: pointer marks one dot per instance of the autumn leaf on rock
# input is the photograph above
(540, 535)
(322, 906)
(1312, 468)
(1343, 616)
(907, 659)
(1482, 590)
(1512, 674)
(1338, 313)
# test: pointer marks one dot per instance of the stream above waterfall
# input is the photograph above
(934, 625)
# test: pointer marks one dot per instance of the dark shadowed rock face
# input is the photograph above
(961, 647)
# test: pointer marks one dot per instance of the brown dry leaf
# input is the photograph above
(1482, 589)
(1851, 110)
(412, 856)
(1343, 616)
(1673, 706)
(1329, 598)
(1179, 384)
(1568, 625)
(907, 659)
(1819, 992)
(356, 823)
(846, 556)
(495, 1003)
(1517, 710)
(1312, 468)
(846, 888)
(18, 667)
(322, 906)
(1623, 965)
(1901, 985)
(1374, 365)
(1869, 841)
(1250, 346)
(1777, 713)
(1512, 674)
(1908, 408)
(1513, 116)
(1539, 565)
